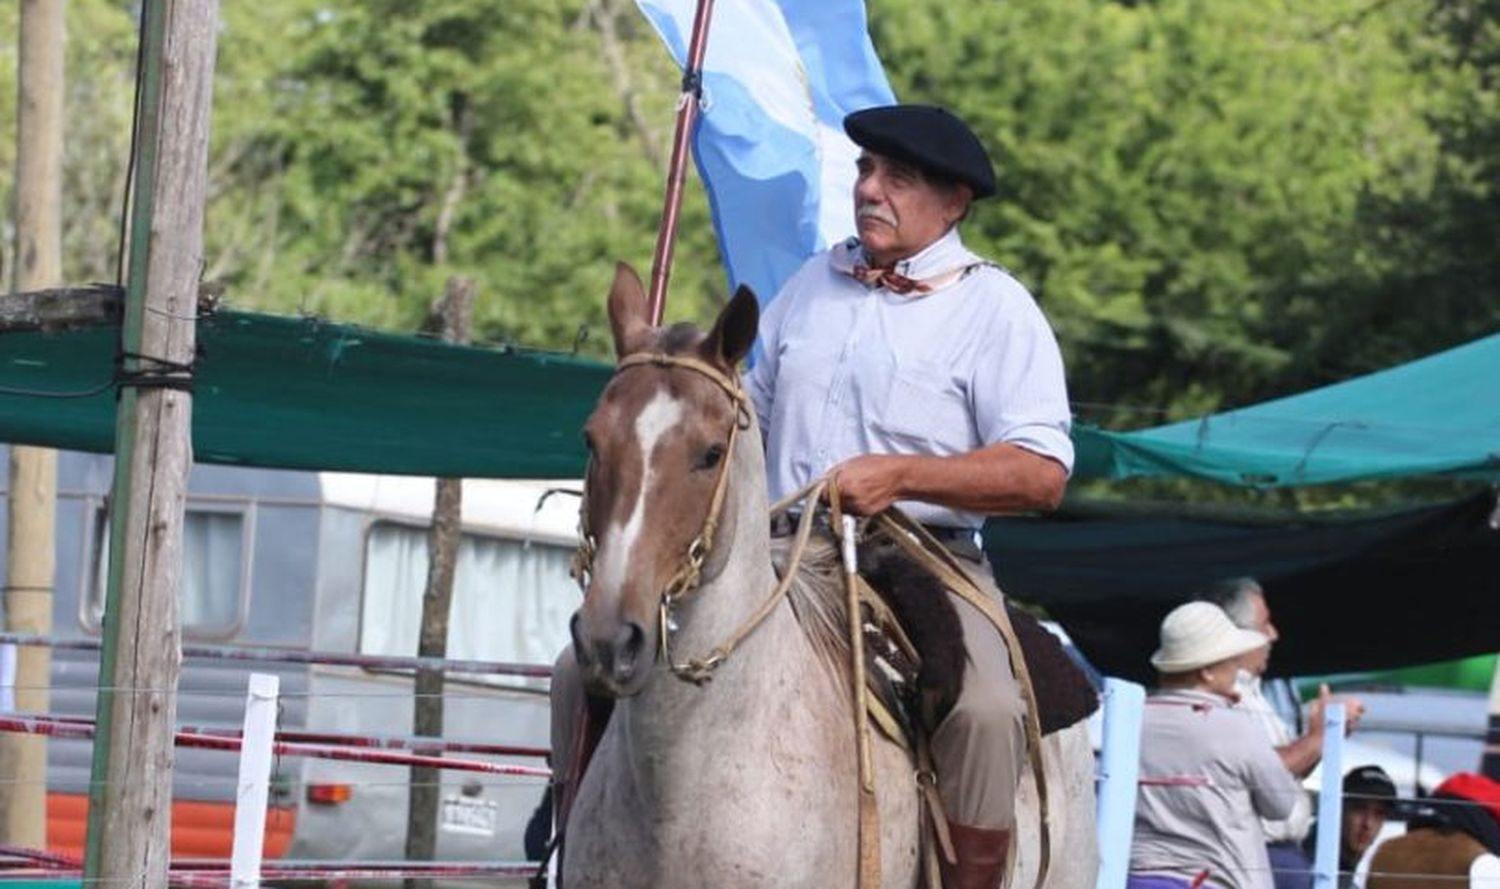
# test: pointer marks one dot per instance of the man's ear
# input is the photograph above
(627, 311)
(734, 332)
(960, 199)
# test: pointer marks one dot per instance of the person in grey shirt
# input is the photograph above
(1208, 773)
(1245, 602)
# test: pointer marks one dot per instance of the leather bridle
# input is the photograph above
(689, 574)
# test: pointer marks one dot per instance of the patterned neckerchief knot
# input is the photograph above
(890, 279)
(849, 260)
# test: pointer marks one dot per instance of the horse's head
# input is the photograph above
(660, 442)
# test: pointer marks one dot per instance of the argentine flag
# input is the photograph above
(778, 78)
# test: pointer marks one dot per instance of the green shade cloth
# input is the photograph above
(305, 394)
(1436, 415)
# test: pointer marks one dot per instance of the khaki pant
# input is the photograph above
(979, 750)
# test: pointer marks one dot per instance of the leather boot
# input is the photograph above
(982, 854)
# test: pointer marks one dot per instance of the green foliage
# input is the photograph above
(1216, 202)
(1202, 194)
(403, 143)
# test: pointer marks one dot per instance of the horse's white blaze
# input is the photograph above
(660, 414)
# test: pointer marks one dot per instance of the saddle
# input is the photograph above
(916, 657)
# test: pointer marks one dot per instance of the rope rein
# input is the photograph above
(689, 575)
(912, 538)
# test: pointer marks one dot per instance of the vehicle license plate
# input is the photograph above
(471, 816)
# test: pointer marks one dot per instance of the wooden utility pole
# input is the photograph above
(130, 795)
(32, 504)
(454, 314)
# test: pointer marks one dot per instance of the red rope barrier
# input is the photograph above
(49, 859)
(195, 874)
(262, 654)
(71, 727)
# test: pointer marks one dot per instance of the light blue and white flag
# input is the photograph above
(778, 78)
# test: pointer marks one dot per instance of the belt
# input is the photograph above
(960, 540)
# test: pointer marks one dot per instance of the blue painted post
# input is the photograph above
(1119, 774)
(1330, 800)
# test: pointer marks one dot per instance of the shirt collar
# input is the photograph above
(938, 265)
(947, 252)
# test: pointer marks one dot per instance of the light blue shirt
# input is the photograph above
(845, 369)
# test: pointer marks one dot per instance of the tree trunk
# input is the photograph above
(454, 314)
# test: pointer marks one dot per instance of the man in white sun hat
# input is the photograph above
(1208, 774)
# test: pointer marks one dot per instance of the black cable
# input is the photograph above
(154, 373)
(39, 393)
(135, 135)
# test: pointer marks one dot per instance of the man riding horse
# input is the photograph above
(918, 374)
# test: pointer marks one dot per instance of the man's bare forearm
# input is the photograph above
(1001, 478)
(1302, 755)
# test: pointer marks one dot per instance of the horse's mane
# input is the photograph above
(818, 601)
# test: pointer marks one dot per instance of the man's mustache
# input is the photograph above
(877, 213)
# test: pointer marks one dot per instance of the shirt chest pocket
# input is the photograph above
(926, 407)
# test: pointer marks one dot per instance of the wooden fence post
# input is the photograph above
(32, 502)
(130, 794)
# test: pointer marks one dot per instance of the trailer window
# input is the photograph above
(511, 598)
(212, 595)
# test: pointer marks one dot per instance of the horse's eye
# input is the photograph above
(588, 442)
(710, 457)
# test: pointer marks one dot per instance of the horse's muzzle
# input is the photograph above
(613, 664)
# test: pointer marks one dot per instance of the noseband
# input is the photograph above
(689, 574)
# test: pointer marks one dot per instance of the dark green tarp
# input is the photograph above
(1364, 592)
(305, 394)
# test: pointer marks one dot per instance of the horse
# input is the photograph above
(747, 780)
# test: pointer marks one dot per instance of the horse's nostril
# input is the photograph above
(628, 644)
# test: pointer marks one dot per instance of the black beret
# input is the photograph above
(932, 139)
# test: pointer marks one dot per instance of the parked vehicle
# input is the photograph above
(1418, 735)
(327, 562)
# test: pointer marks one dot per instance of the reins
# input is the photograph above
(908, 534)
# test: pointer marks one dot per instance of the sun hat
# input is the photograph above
(1198, 634)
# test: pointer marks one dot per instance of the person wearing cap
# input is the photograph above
(918, 374)
(1369, 796)
(1207, 773)
(1244, 600)
(1452, 840)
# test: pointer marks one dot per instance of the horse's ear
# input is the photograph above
(627, 311)
(734, 331)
